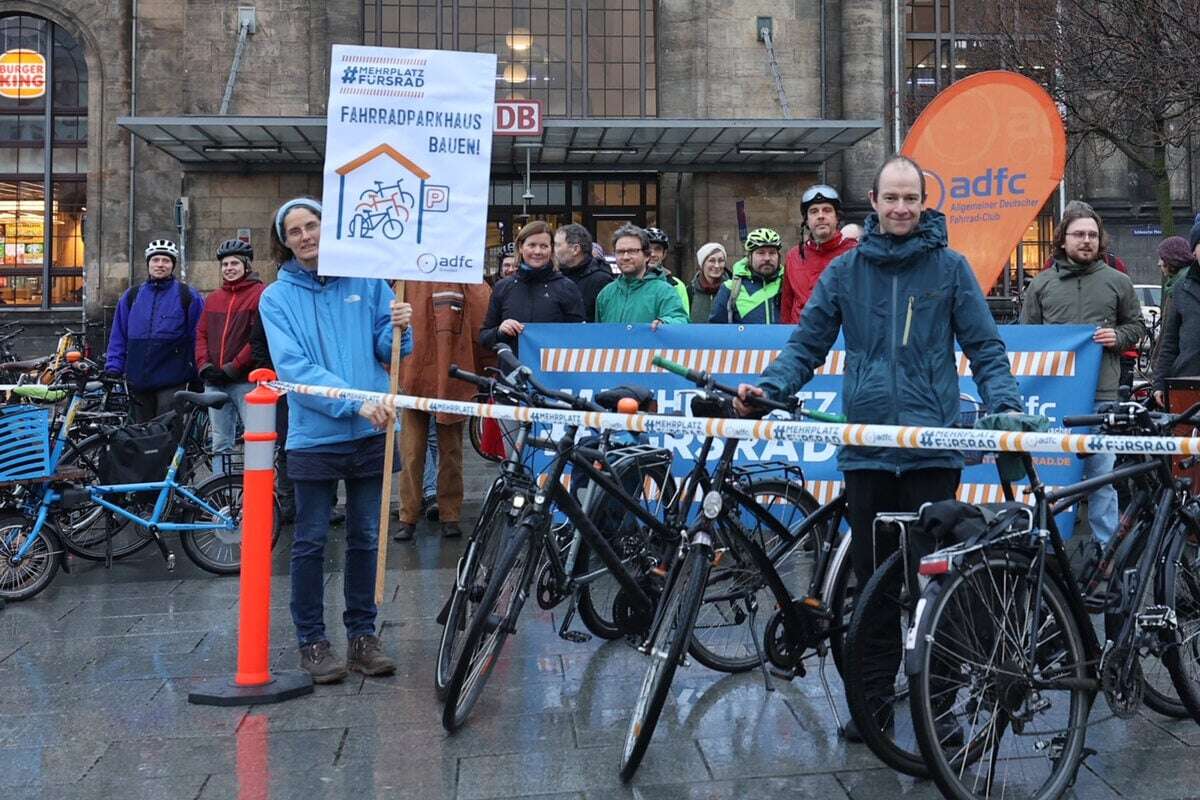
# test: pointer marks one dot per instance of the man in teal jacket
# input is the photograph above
(637, 296)
(901, 299)
(331, 331)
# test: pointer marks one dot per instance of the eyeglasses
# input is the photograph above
(820, 191)
(311, 227)
(1085, 235)
(629, 252)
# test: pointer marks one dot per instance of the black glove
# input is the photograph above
(231, 373)
(213, 375)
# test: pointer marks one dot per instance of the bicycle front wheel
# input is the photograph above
(1179, 589)
(668, 640)
(495, 618)
(20, 580)
(990, 720)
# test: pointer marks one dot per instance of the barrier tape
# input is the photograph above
(855, 435)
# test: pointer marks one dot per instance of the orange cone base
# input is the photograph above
(224, 692)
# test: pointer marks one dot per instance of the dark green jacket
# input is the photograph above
(1095, 294)
(645, 299)
(900, 303)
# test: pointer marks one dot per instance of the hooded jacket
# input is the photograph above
(1091, 294)
(900, 302)
(757, 301)
(636, 300)
(1179, 352)
(328, 331)
(532, 295)
(803, 268)
(153, 341)
(591, 278)
(446, 322)
(223, 335)
(702, 297)
(679, 286)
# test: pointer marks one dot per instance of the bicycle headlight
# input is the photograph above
(711, 507)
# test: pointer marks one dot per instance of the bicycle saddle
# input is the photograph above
(609, 398)
(24, 366)
(201, 399)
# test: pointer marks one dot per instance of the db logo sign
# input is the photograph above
(518, 118)
(22, 74)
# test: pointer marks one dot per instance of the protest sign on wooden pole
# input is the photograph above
(407, 163)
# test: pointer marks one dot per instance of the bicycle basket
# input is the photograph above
(24, 442)
(140, 453)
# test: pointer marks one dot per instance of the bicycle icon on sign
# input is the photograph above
(383, 208)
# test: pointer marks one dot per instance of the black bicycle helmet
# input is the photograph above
(235, 247)
(658, 236)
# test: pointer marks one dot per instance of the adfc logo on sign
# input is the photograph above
(386, 206)
(22, 74)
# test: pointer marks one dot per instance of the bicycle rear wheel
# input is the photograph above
(39, 565)
(677, 614)
(495, 618)
(218, 549)
(982, 727)
(87, 529)
(1179, 589)
(885, 722)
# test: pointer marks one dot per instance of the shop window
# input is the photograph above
(43, 163)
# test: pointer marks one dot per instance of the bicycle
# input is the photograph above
(1002, 650)
(31, 545)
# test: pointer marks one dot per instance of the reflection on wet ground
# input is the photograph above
(95, 672)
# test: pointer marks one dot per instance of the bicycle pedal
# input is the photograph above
(1158, 618)
(576, 637)
(783, 674)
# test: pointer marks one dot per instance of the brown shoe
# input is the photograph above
(366, 656)
(404, 532)
(318, 660)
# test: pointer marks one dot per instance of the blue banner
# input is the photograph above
(1056, 367)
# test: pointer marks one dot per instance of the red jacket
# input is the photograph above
(223, 335)
(800, 274)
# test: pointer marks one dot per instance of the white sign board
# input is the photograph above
(407, 159)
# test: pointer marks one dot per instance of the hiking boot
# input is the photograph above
(429, 508)
(366, 656)
(451, 530)
(318, 660)
(404, 532)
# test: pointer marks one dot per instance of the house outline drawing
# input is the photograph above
(375, 152)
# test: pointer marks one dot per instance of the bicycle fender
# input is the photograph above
(915, 638)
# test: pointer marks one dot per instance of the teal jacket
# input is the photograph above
(757, 302)
(328, 332)
(642, 299)
(900, 304)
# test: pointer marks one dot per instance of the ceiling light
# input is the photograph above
(241, 148)
(519, 39)
(603, 151)
(772, 151)
(516, 73)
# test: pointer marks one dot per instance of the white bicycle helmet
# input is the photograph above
(162, 247)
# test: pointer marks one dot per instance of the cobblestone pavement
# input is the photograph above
(94, 676)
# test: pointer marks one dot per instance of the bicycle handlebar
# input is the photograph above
(706, 380)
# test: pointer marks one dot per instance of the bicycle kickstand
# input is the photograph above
(762, 661)
(167, 555)
(837, 720)
(564, 632)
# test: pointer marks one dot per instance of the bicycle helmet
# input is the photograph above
(762, 237)
(820, 193)
(658, 236)
(162, 247)
(235, 247)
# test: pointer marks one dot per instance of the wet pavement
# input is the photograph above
(95, 672)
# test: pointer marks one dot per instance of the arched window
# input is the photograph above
(43, 163)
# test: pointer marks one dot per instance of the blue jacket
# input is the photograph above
(152, 342)
(900, 303)
(328, 332)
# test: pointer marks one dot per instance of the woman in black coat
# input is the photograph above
(1179, 349)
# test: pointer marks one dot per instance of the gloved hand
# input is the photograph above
(211, 374)
(1010, 465)
(231, 373)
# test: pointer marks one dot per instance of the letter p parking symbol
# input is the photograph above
(437, 198)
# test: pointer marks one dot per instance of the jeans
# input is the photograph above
(314, 500)
(1103, 515)
(224, 421)
(429, 481)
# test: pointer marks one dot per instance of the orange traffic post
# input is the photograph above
(253, 683)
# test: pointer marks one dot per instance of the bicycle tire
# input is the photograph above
(724, 639)
(898, 750)
(480, 554)
(679, 605)
(84, 531)
(594, 602)
(1062, 653)
(40, 564)
(1179, 589)
(218, 550)
(474, 667)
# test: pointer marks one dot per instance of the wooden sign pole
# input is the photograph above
(389, 447)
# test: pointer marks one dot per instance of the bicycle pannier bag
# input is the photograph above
(140, 453)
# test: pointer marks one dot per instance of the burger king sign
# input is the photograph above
(22, 74)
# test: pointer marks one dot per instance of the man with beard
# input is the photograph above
(751, 296)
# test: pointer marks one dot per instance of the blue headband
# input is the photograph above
(299, 202)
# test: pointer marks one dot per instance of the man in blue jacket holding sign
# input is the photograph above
(901, 299)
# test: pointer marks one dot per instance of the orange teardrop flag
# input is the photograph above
(993, 148)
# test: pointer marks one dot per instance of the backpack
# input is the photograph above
(140, 453)
(185, 297)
